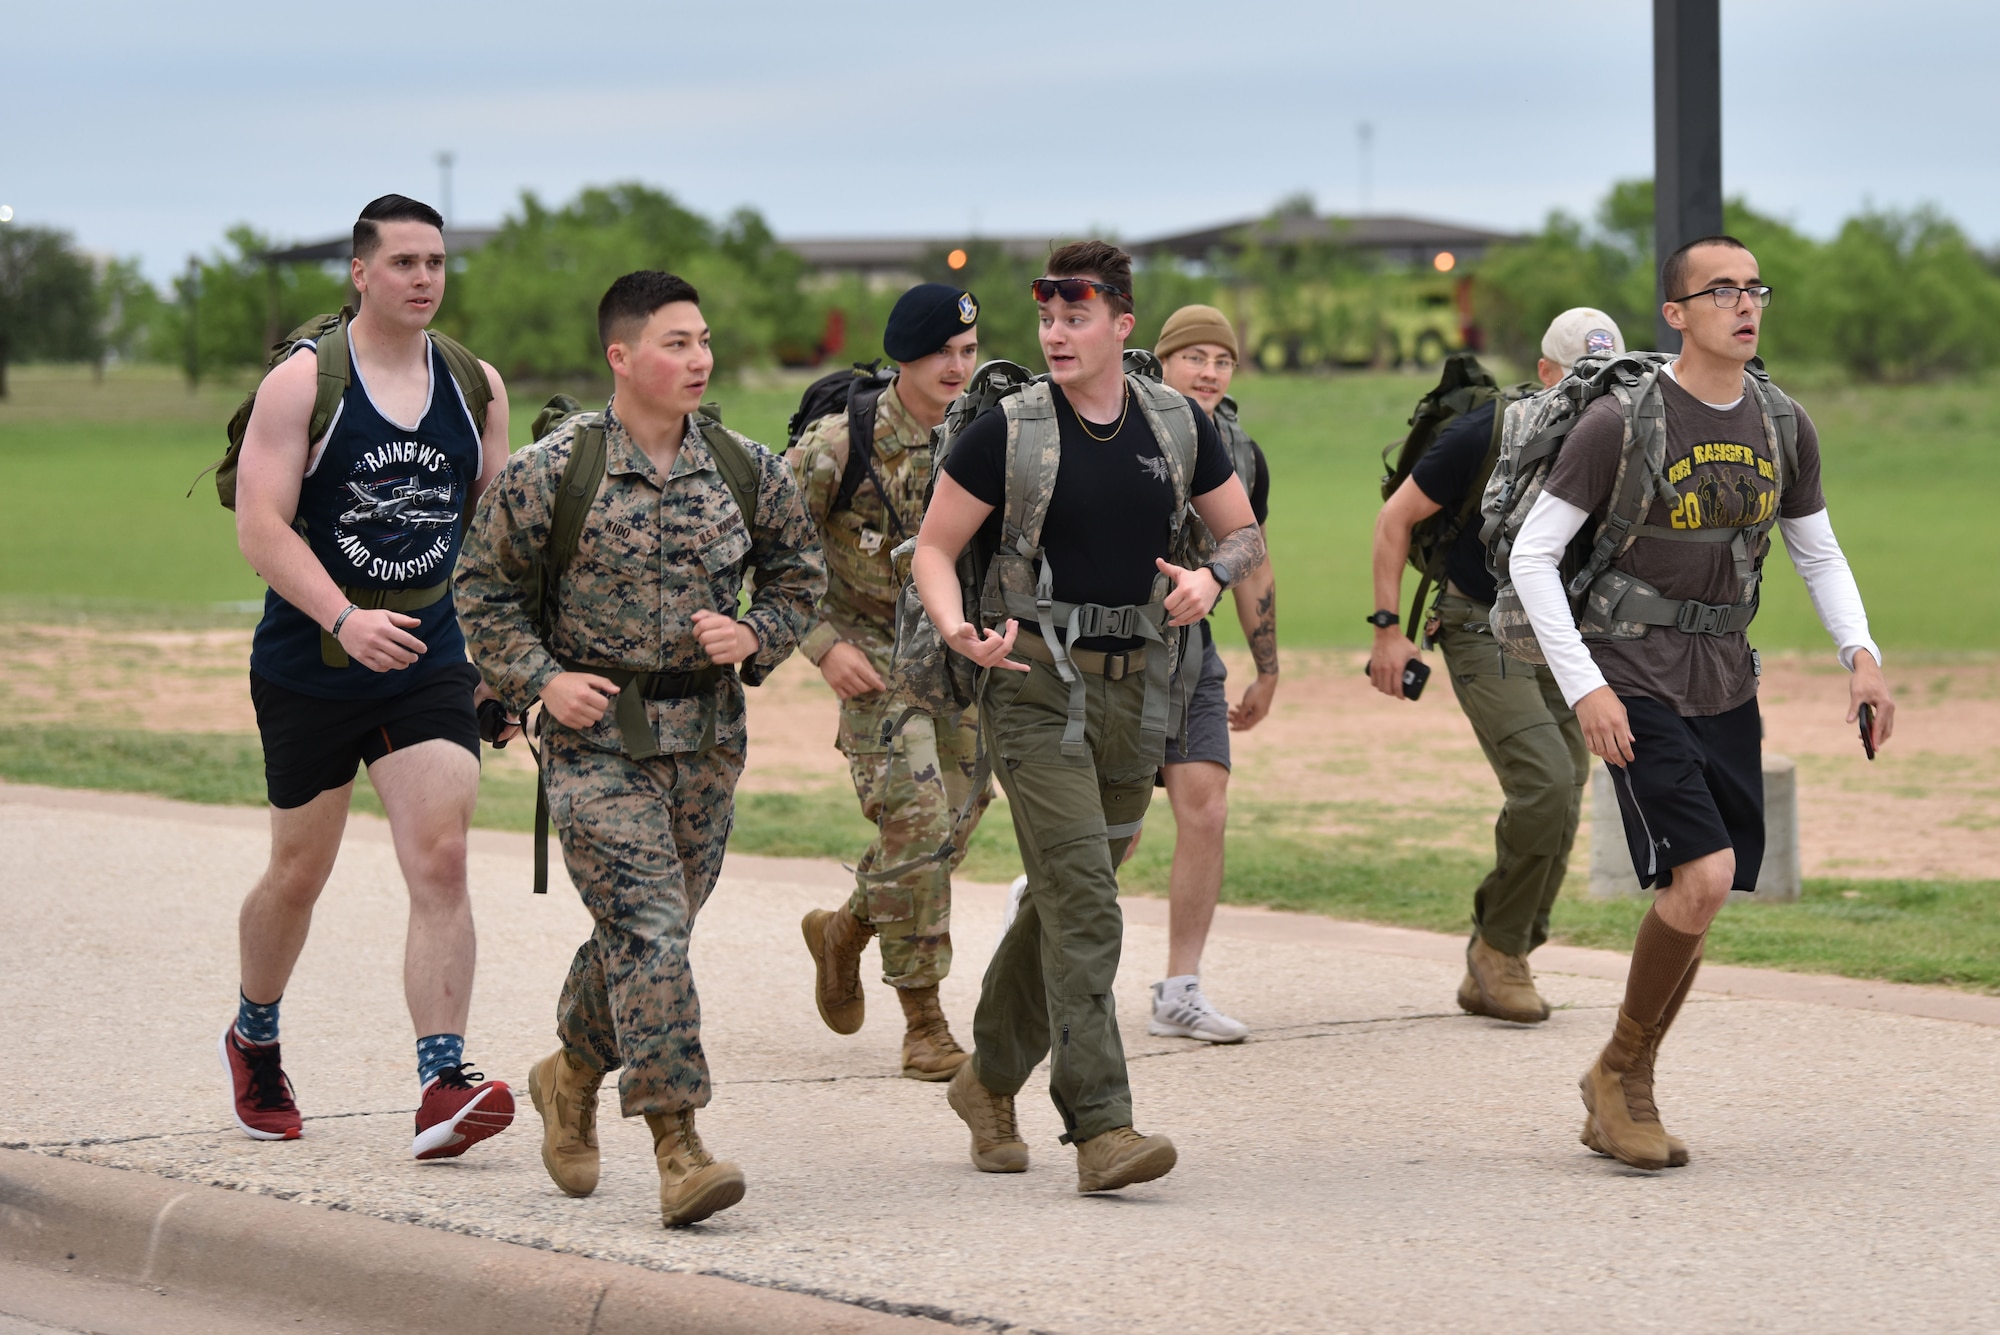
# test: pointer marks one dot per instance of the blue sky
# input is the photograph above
(147, 129)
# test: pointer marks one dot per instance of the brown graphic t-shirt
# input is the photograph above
(1725, 476)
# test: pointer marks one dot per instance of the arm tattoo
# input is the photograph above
(1241, 552)
(1264, 634)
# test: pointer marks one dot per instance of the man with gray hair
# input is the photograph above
(1530, 737)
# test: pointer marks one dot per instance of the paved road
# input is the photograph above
(1371, 1161)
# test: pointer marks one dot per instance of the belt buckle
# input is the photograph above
(1115, 666)
(1701, 618)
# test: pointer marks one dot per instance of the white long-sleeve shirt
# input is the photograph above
(1536, 568)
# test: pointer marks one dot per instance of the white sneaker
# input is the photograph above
(1181, 1011)
(1013, 909)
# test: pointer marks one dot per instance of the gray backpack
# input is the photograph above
(1609, 603)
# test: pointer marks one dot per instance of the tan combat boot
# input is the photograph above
(1618, 1091)
(836, 941)
(1677, 1150)
(1501, 986)
(1121, 1157)
(693, 1183)
(929, 1050)
(565, 1094)
(996, 1146)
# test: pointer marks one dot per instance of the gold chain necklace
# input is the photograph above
(1122, 413)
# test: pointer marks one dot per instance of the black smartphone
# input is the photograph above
(1868, 731)
(1415, 673)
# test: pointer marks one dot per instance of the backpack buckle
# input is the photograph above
(1094, 619)
(1702, 618)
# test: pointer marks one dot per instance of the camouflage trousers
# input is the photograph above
(643, 841)
(912, 793)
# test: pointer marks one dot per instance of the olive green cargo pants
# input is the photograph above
(1535, 746)
(1048, 987)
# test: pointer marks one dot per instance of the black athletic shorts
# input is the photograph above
(1695, 786)
(313, 745)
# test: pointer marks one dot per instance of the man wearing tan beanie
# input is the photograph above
(1198, 348)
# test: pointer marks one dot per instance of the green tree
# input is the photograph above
(48, 299)
(239, 305)
(527, 301)
(1906, 297)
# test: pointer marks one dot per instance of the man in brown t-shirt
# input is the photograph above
(1674, 712)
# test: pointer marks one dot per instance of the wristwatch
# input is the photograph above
(1384, 618)
(1221, 573)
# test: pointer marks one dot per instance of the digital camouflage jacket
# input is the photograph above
(654, 550)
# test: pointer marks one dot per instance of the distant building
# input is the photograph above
(1396, 239)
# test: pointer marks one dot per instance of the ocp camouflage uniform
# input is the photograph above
(914, 785)
(642, 836)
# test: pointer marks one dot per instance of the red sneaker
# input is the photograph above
(461, 1107)
(260, 1097)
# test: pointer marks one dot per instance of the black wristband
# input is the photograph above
(341, 620)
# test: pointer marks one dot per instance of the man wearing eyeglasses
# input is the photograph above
(1198, 349)
(1075, 719)
(1672, 709)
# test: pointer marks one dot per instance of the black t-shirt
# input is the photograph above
(1449, 469)
(1260, 486)
(1109, 514)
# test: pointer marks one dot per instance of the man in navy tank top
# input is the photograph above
(359, 659)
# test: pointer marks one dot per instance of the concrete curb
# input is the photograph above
(306, 1261)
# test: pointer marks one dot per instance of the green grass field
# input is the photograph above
(95, 513)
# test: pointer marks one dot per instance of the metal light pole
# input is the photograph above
(444, 161)
(191, 291)
(1687, 133)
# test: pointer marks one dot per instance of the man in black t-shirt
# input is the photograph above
(1528, 733)
(1076, 724)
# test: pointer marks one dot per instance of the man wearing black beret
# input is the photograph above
(912, 786)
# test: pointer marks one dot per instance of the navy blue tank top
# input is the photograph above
(382, 506)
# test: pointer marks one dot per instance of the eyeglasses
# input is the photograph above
(1729, 298)
(1195, 361)
(1073, 289)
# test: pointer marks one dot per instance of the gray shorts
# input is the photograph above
(1207, 712)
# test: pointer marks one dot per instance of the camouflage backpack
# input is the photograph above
(1017, 582)
(1463, 389)
(1609, 603)
(327, 336)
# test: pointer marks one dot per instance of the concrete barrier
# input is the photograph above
(1778, 880)
(306, 1261)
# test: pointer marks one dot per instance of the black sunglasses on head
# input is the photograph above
(1073, 289)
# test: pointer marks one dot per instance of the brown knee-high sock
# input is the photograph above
(1661, 959)
(1681, 992)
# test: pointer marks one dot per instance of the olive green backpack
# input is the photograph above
(327, 336)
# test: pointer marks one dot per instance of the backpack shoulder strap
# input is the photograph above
(582, 475)
(330, 351)
(736, 463)
(1171, 417)
(1034, 449)
(860, 465)
(471, 378)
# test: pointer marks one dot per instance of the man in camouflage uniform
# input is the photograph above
(914, 785)
(641, 685)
